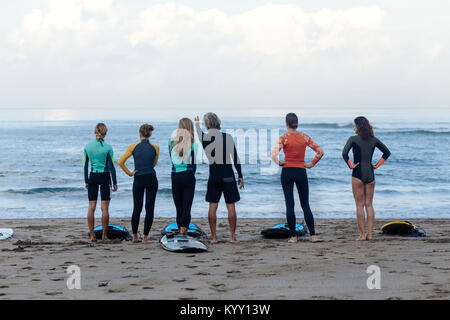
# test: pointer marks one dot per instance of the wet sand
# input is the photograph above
(33, 264)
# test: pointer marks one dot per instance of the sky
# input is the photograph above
(134, 59)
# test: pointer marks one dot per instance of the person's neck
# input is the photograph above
(290, 130)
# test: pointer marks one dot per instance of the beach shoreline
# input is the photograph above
(34, 263)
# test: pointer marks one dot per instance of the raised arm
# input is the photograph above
(319, 151)
(386, 153)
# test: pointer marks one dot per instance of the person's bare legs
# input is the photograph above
(105, 219)
(232, 220)
(91, 219)
(358, 194)
(369, 190)
(212, 219)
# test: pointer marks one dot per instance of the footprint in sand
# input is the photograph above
(147, 288)
(179, 280)
(53, 293)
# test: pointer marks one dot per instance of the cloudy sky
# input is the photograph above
(125, 59)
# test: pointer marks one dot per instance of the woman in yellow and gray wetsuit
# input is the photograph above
(363, 178)
(145, 156)
(100, 155)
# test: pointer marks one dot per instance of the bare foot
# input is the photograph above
(182, 230)
(145, 240)
(233, 240)
(361, 238)
(213, 240)
(369, 237)
(135, 239)
(292, 240)
(314, 239)
(93, 239)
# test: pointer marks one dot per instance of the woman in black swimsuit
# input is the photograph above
(363, 179)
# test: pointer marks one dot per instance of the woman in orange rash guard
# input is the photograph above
(294, 145)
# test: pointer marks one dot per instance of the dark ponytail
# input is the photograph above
(146, 130)
(292, 120)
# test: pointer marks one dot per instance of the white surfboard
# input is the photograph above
(6, 233)
(182, 243)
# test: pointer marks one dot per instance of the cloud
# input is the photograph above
(269, 29)
(72, 53)
(65, 24)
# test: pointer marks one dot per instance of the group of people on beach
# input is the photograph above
(220, 150)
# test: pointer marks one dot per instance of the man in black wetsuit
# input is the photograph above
(221, 153)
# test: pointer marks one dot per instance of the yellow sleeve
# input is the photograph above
(157, 154)
(125, 157)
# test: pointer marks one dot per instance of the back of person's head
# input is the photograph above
(363, 128)
(184, 137)
(146, 130)
(100, 131)
(211, 121)
(292, 120)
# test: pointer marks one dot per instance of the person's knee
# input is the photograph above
(368, 204)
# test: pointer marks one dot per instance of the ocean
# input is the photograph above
(42, 173)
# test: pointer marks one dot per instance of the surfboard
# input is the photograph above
(114, 232)
(6, 233)
(193, 230)
(402, 228)
(182, 243)
(281, 231)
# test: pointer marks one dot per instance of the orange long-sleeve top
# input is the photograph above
(294, 146)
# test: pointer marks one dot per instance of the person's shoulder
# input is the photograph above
(155, 146)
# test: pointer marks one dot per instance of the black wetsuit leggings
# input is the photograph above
(183, 189)
(289, 176)
(148, 184)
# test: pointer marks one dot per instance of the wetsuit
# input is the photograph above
(183, 182)
(101, 156)
(221, 153)
(362, 154)
(294, 171)
(145, 155)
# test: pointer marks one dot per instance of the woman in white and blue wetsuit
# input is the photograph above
(183, 153)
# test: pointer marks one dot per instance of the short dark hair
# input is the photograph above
(292, 120)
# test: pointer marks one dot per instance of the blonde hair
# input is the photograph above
(184, 138)
(211, 121)
(100, 131)
(146, 130)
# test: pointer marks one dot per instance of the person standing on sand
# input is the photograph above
(363, 178)
(294, 144)
(145, 155)
(101, 156)
(183, 154)
(221, 153)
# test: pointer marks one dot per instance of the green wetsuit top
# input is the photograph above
(179, 164)
(101, 156)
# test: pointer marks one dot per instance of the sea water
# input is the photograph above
(41, 175)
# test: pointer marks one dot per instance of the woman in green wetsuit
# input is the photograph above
(183, 153)
(363, 178)
(101, 156)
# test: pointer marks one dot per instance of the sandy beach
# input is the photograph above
(33, 264)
